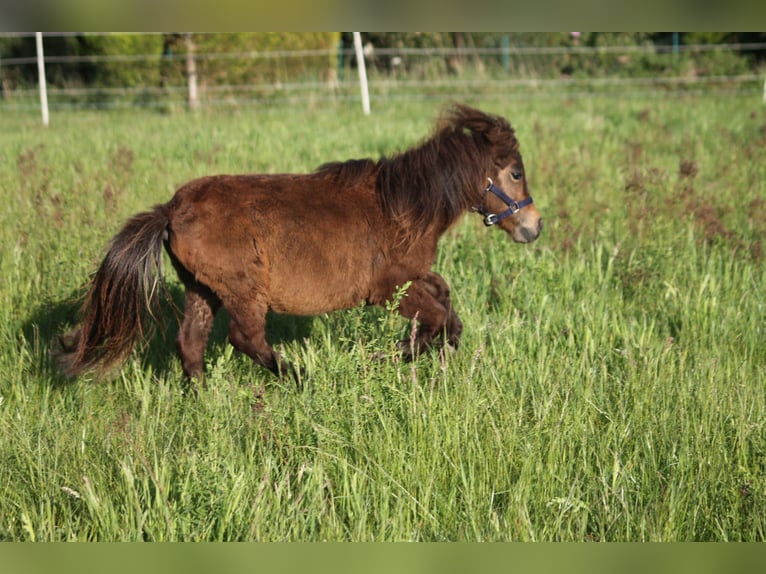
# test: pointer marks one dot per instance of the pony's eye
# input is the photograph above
(516, 175)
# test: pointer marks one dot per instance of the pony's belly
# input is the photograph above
(305, 300)
(326, 277)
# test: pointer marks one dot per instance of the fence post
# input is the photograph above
(41, 76)
(362, 73)
(340, 59)
(506, 43)
(191, 72)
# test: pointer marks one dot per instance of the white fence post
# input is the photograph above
(362, 73)
(191, 72)
(41, 75)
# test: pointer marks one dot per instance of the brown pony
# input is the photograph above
(349, 232)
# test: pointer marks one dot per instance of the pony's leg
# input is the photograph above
(247, 333)
(453, 327)
(200, 307)
(428, 300)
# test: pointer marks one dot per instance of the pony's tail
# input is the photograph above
(121, 304)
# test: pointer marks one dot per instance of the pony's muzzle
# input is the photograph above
(532, 233)
(526, 233)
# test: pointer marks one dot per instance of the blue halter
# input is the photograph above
(513, 206)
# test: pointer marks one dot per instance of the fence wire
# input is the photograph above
(395, 74)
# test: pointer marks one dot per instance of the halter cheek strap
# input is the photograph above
(513, 206)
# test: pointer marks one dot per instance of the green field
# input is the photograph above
(610, 384)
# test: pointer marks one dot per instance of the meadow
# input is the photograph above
(610, 385)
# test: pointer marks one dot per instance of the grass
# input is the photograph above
(610, 384)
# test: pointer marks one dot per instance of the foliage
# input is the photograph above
(151, 61)
(158, 60)
(610, 384)
(130, 73)
(214, 70)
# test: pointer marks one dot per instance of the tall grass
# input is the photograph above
(609, 386)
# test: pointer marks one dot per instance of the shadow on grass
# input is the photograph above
(51, 319)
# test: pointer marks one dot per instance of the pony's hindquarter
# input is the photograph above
(121, 302)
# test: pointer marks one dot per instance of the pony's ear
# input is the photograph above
(494, 131)
(502, 140)
(504, 144)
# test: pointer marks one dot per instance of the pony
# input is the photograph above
(348, 233)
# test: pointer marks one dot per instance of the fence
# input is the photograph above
(317, 76)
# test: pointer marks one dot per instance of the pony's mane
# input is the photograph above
(439, 179)
(346, 173)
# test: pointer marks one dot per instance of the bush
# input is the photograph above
(216, 65)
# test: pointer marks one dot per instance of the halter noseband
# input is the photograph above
(513, 206)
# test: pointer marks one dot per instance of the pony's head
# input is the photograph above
(503, 196)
